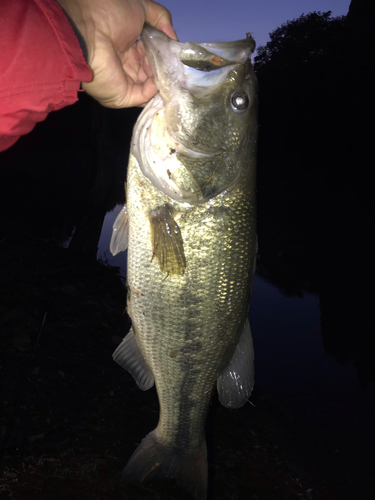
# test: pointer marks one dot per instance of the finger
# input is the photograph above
(159, 17)
(142, 93)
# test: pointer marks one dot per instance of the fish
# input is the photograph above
(189, 227)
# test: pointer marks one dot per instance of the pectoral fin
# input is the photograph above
(237, 380)
(166, 240)
(129, 356)
(119, 240)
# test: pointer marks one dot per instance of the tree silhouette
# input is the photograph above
(315, 194)
(300, 42)
(297, 85)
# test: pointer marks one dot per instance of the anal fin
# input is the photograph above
(129, 356)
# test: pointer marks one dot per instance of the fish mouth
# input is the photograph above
(191, 65)
(157, 42)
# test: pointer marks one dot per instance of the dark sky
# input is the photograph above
(225, 20)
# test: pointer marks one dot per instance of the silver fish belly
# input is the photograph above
(190, 229)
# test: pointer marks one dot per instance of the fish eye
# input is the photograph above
(239, 102)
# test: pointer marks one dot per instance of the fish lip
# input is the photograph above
(162, 54)
(150, 33)
(155, 41)
(151, 37)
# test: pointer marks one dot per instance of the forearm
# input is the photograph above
(41, 65)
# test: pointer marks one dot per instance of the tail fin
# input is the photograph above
(152, 460)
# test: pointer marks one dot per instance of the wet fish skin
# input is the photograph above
(191, 250)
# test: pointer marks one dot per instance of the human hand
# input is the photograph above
(110, 28)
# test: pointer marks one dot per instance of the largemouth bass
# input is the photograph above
(189, 226)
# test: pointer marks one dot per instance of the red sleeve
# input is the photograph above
(41, 65)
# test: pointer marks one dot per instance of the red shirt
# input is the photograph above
(41, 65)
